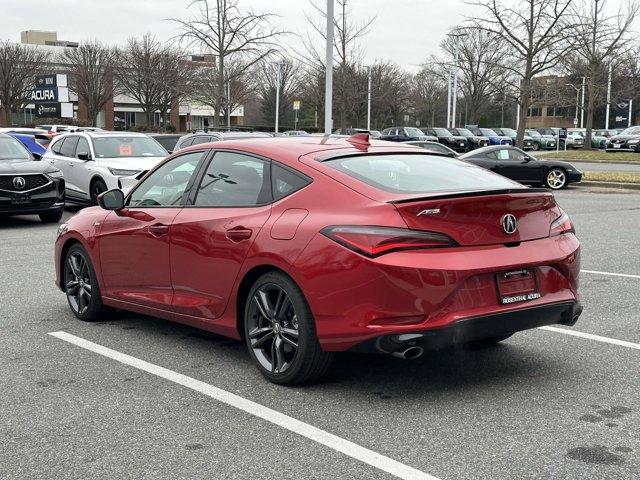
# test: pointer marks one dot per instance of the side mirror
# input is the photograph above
(36, 156)
(84, 156)
(527, 159)
(111, 200)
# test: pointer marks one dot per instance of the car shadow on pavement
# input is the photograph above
(451, 371)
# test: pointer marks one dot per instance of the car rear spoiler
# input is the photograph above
(470, 193)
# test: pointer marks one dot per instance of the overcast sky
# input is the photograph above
(405, 31)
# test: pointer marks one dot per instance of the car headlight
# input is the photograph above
(118, 172)
(62, 229)
(54, 174)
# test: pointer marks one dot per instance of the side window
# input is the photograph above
(68, 148)
(187, 142)
(493, 155)
(516, 156)
(201, 139)
(166, 186)
(285, 182)
(502, 154)
(82, 147)
(55, 148)
(234, 180)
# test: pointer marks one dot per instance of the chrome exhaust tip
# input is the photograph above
(410, 353)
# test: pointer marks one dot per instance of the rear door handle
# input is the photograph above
(158, 230)
(237, 234)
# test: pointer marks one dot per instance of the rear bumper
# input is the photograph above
(476, 328)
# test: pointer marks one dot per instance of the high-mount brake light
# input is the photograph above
(373, 241)
(561, 225)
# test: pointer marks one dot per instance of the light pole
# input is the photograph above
(277, 97)
(369, 100)
(229, 106)
(608, 98)
(453, 95)
(328, 84)
(575, 120)
(582, 110)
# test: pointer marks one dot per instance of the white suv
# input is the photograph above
(94, 162)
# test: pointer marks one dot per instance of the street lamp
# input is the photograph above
(369, 99)
(277, 96)
(451, 110)
(577, 89)
(328, 84)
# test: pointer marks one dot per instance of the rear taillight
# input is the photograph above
(561, 225)
(374, 241)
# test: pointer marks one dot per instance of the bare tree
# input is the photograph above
(230, 34)
(430, 93)
(19, 66)
(90, 69)
(289, 89)
(539, 34)
(602, 38)
(177, 78)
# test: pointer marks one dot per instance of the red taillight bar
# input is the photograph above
(373, 241)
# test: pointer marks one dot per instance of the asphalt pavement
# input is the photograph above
(541, 405)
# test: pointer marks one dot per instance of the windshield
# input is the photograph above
(533, 133)
(12, 149)
(414, 132)
(631, 131)
(418, 173)
(488, 132)
(509, 132)
(464, 132)
(116, 147)
(441, 132)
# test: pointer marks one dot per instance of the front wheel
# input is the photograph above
(97, 187)
(535, 146)
(280, 332)
(556, 179)
(51, 217)
(81, 285)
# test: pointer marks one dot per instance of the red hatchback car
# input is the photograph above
(307, 246)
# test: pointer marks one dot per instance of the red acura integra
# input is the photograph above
(307, 246)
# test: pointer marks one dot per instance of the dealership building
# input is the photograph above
(121, 111)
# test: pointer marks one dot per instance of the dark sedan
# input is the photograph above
(434, 147)
(628, 140)
(518, 165)
(475, 141)
(445, 137)
(167, 140)
(28, 186)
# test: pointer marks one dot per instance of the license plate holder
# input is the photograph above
(20, 199)
(517, 286)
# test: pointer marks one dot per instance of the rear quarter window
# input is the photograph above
(418, 173)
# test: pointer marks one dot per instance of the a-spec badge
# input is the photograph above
(429, 211)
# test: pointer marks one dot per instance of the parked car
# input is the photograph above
(445, 137)
(167, 140)
(405, 134)
(434, 147)
(527, 141)
(542, 142)
(353, 131)
(58, 128)
(573, 140)
(494, 138)
(34, 144)
(306, 247)
(28, 186)
(94, 162)
(597, 141)
(473, 141)
(606, 133)
(208, 137)
(518, 165)
(627, 140)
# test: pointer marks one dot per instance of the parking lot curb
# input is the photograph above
(619, 185)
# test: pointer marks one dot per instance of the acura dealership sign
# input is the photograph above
(51, 97)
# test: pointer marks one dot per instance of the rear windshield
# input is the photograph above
(419, 173)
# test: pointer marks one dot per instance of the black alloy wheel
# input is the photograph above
(81, 286)
(280, 332)
(97, 188)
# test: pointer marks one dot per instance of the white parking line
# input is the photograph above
(327, 439)
(590, 336)
(626, 275)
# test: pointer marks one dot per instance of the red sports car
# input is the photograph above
(307, 246)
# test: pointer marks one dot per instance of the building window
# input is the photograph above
(535, 112)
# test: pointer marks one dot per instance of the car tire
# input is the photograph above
(51, 217)
(280, 332)
(535, 146)
(97, 187)
(81, 285)
(556, 178)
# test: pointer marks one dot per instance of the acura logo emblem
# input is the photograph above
(509, 224)
(19, 183)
